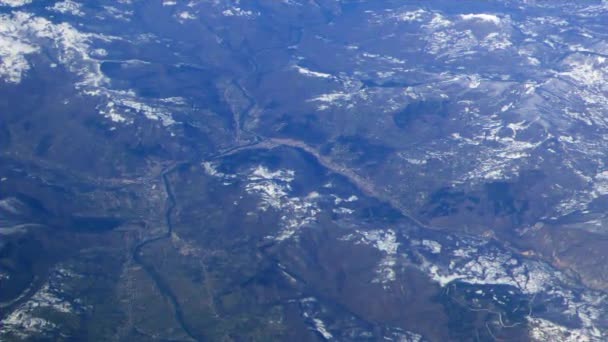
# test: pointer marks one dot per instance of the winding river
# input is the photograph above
(161, 284)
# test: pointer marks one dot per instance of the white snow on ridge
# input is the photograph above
(308, 72)
(347, 98)
(13, 64)
(433, 246)
(542, 330)
(411, 16)
(185, 15)
(238, 12)
(131, 104)
(600, 184)
(490, 18)
(211, 170)
(15, 3)
(588, 71)
(492, 268)
(273, 189)
(438, 22)
(23, 34)
(263, 173)
(23, 29)
(24, 325)
(25, 322)
(67, 7)
(476, 263)
(320, 326)
(384, 241)
(333, 97)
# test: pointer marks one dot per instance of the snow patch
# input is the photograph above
(310, 73)
(15, 3)
(273, 188)
(238, 12)
(67, 7)
(185, 15)
(320, 327)
(384, 241)
(489, 18)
